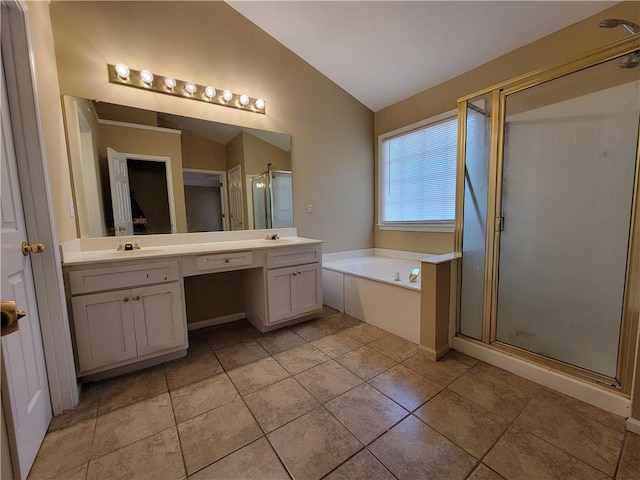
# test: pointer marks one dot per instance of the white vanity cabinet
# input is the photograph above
(114, 327)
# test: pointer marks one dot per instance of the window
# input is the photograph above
(417, 175)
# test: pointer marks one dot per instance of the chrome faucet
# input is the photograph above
(272, 236)
(397, 277)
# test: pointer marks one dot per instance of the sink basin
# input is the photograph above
(136, 253)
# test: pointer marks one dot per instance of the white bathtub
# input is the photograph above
(364, 287)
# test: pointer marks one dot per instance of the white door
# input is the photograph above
(25, 391)
(236, 206)
(120, 194)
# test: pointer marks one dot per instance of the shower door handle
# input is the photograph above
(500, 224)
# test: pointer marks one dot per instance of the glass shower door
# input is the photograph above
(568, 172)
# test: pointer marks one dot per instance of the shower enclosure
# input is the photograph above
(272, 199)
(547, 223)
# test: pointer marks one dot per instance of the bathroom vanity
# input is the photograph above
(128, 307)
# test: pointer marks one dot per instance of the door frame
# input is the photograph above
(223, 189)
(38, 205)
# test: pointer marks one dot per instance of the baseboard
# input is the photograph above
(633, 425)
(432, 354)
(586, 392)
(215, 321)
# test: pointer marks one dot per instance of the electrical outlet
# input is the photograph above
(309, 207)
(72, 209)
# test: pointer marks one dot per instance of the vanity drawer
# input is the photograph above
(98, 279)
(224, 260)
(288, 256)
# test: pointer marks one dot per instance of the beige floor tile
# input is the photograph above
(314, 329)
(86, 409)
(198, 343)
(443, 371)
(406, 387)
(256, 461)
(212, 435)
(191, 368)
(520, 455)
(362, 465)
(257, 375)
(462, 358)
(365, 333)
(341, 321)
(327, 311)
(336, 344)
(235, 356)
(313, 445)
(365, 362)
(365, 412)
(279, 403)
(413, 450)
(465, 423)
(482, 472)
(394, 347)
(154, 457)
(527, 387)
(279, 341)
(301, 358)
(327, 381)
(129, 424)
(200, 397)
(77, 473)
(63, 450)
(629, 468)
(492, 393)
(121, 391)
(569, 430)
(222, 336)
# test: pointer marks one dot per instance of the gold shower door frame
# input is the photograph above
(631, 300)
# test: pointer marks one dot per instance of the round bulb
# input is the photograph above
(210, 92)
(259, 104)
(146, 76)
(190, 88)
(244, 100)
(123, 71)
(170, 82)
(227, 95)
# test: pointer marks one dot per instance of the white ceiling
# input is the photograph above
(383, 52)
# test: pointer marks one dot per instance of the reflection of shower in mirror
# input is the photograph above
(272, 199)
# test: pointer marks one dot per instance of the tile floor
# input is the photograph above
(331, 398)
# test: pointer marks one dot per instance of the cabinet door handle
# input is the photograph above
(294, 274)
(136, 298)
(125, 299)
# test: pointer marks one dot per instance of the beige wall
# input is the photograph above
(149, 142)
(332, 150)
(48, 92)
(555, 48)
(202, 153)
(213, 296)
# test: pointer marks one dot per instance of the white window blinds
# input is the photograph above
(418, 175)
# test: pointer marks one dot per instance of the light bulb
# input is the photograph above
(190, 88)
(170, 82)
(123, 71)
(227, 95)
(244, 100)
(259, 104)
(146, 76)
(210, 92)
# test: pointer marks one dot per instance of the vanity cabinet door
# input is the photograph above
(104, 328)
(159, 323)
(281, 294)
(308, 288)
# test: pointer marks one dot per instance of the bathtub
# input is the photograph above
(364, 287)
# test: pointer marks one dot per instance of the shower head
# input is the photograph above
(630, 27)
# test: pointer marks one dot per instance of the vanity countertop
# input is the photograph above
(76, 257)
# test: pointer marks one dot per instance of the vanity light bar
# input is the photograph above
(145, 80)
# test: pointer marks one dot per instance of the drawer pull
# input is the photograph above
(136, 298)
(294, 274)
(226, 260)
(125, 299)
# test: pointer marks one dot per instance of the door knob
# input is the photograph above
(33, 248)
(121, 228)
(10, 317)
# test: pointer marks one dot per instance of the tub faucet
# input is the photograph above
(397, 277)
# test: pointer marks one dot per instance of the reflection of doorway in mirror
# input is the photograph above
(236, 207)
(141, 194)
(205, 200)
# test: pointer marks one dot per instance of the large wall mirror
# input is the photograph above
(139, 172)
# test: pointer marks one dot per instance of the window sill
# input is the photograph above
(445, 226)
